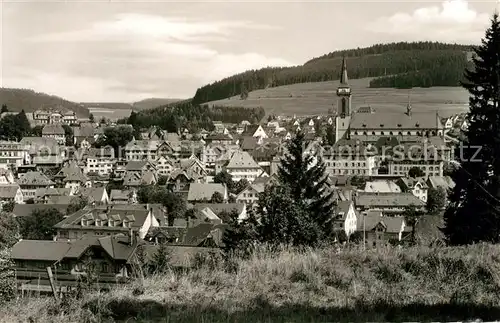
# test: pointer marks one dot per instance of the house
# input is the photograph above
(47, 194)
(388, 203)
(10, 193)
(109, 220)
(83, 135)
(123, 197)
(243, 166)
(67, 259)
(202, 192)
(180, 180)
(250, 194)
(12, 154)
(192, 166)
(350, 157)
(256, 131)
(416, 186)
(31, 181)
(380, 230)
(164, 166)
(135, 179)
(38, 146)
(446, 182)
(142, 150)
(100, 160)
(219, 138)
(72, 177)
(54, 131)
(344, 217)
(23, 210)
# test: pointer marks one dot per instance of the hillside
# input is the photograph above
(152, 103)
(445, 61)
(29, 101)
(321, 285)
(319, 98)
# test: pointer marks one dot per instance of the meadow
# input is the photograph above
(318, 98)
(285, 285)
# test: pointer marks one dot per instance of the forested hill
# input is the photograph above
(418, 64)
(29, 101)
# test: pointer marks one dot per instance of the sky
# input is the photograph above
(126, 51)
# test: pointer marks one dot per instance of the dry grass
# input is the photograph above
(317, 98)
(310, 286)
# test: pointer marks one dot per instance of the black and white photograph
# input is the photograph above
(249, 161)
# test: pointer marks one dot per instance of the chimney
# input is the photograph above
(131, 237)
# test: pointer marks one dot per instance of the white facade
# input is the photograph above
(362, 166)
(11, 153)
(164, 166)
(100, 165)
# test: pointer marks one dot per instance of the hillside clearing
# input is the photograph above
(318, 98)
(416, 284)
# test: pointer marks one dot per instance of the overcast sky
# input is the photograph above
(128, 50)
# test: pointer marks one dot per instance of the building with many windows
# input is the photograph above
(12, 154)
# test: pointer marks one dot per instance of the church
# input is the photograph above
(368, 126)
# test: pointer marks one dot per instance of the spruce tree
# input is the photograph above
(473, 214)
(306, 180)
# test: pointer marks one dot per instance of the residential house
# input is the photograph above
(31, 181)
(416, 186)
(95, 195)
(202, 192)
(192, 166)
(47, 194)
(123, 197)
(243, 166)
(445, 182)
(379, 230)
(100, 160)
(48, 148)
(164, 166)
(219, 138)
(112, 256)
(72, 177)
(12, 154)
(344, 217)
(83, 135)
(112, 219)
(388, 203)
(135, 179)
(69, 117)
(10, 193)
(142, 150)
(55, 131)
(255, 131)
(222, 210)
(250, 195)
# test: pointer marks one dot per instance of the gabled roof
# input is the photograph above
(72, 172)
(119, 195)
(26, 209)
(93, 194)
(147, 145)
(387, 200)
(219, 208)
(8, 191)
(40, 250)
(388, 120)
(241, 159)
(53, 129)
(382, 186)
(35, 179)
(392, 224)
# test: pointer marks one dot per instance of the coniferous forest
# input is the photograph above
(403, 64)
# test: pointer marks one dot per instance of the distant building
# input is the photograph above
(54, 131)
(12, 154)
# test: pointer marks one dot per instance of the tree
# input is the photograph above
(416, 172)
(76, 205)
(4, 108)
(37, 131)
(412, 216)
(9, 207)
(68, 133)
(473, 214)
(217, 198)
(160, 259)
(436, 200)
(239, 236)
(116, 137)
(14, 127)
(358, 181)
(239, 186)
(174, 203)
(329, 136)
(91, 118)
(40, 224)
(283, 219)
(9, 230)
(162, 180)
(224, 177)
(306, 181)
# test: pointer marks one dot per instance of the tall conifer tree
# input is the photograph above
(474, 212)
(307, 182)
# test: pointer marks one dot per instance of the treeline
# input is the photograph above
(374, 61)
(447, 71)
(193, 117)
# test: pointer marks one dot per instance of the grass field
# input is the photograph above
(322, 285)
(317, 98)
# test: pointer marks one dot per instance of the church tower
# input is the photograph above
(343, 118)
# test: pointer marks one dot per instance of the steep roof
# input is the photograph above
(53, 129)
(8, 191)
(40, 250)
(242, 159)
(35, 178)
(392, 224)
(391, 120)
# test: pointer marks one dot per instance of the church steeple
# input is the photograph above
(343, 74)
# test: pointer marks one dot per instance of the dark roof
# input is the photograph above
(40, 250)
(389, 120)
(27, 209)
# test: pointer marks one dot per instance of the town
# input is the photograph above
(102, 197)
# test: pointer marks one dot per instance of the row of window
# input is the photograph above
(399, 133)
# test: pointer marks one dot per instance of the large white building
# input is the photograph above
(100, 161)
(12, 153)
(243, 166)
(350, 157)
(142, 150)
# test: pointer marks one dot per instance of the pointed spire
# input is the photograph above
(343, 76)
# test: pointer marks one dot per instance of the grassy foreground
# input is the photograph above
(423, 284)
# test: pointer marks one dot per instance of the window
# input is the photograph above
(104, 267)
